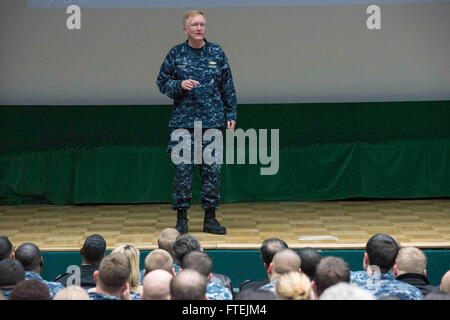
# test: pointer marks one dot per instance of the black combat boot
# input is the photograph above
(182, 221)
(210, 224)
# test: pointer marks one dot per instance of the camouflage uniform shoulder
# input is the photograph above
(215, 291)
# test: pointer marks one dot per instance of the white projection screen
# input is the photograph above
(279, 51)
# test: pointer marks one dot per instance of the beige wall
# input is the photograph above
(284, 54)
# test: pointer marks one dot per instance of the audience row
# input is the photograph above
(180, 270)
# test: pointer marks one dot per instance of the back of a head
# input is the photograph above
(11, 272)
(293, 285)
(198, 261)
(411, 260)
(183, 245)
(255, 294)
(310, 258)
(330, 271)
(156, 285)
(132, 254)
(285, 261)
(270, 247)
(30, 290)
(346, 291)
(188, 285)
(114, 272)
(6, 248)
(71, 293)
(94, 249)
(29, 255)
(445, 283)
(382, 250)
(158, 259)
(167, 238)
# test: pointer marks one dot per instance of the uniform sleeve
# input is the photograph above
(227, 91)
(166, 81)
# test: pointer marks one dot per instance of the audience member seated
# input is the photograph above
(269, 248)
(202, 263)
(132, 254)
(166, 239)
(183, 245)
(157, 285)
(112, 279)
(11, 273)
(283, 262)
(92, 253)
(411, 267)
(346, 291)
(30, 257)
(32, 289)
(188, 285)
(6, 248)
(72, 292)
(330, 271)
(187, 243)
(159, 259)
(293, 285)
(381, 252)
(310, 258)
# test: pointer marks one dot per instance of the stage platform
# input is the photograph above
(423, 223)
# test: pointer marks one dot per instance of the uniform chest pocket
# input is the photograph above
(182, 70)
(212, 73)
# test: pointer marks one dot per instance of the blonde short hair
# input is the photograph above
(132, 254)
(411, 260)
(191, 13)
(293, 285)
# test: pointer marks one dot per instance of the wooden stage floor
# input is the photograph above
(423, 223)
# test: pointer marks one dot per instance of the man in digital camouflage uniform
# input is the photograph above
(197, 76)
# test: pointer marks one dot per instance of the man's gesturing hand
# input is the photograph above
(231, 124)
(189, 84)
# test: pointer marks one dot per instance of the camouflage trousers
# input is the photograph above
(210, 175)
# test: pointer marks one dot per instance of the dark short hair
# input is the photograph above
(94, 248)
(330, 271)
(32, 289)
(255, 294)
(382, 250)
(270, 247)
(114, 272)
(29, 255)
(188, 285)
(310, 258)
(198, 261)
(183, 245)
(11, 272)
(6, 248)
